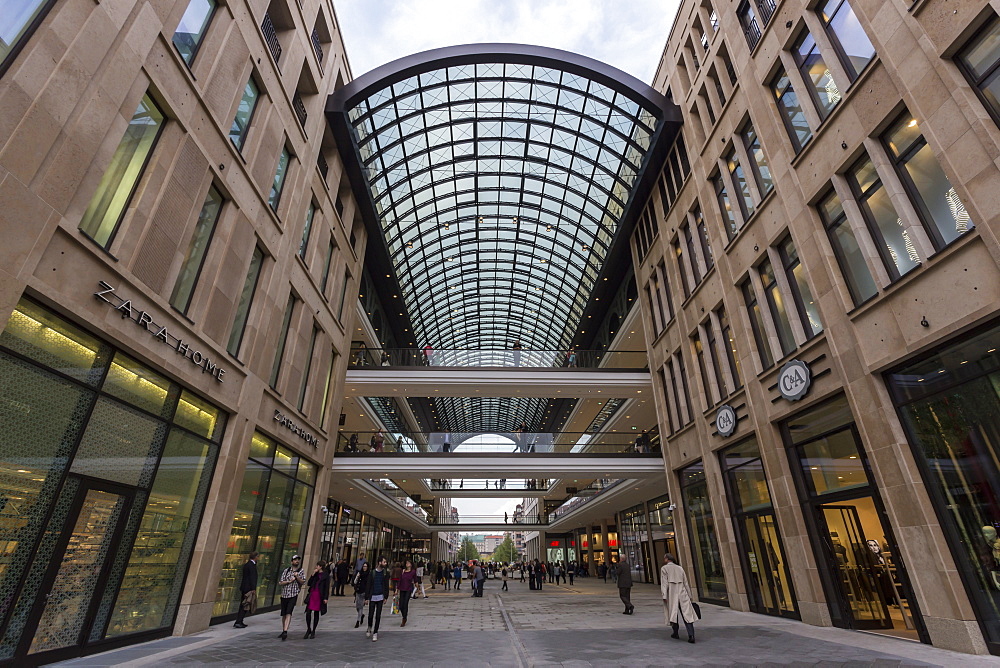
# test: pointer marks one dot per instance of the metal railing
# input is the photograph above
(391, 490)
(752, 32)
(495, 484)
(520, 519)
(324, 167)
(567, 359)
(300, 109)
(586, 494)
(517, 442)
(767, 9)
(317, 48)
(271, 37)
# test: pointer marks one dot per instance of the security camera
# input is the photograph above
(326, 510)
(672, 507)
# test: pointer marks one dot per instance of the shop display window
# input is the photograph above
(710, 577)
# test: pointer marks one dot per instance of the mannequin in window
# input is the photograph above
(989, 555)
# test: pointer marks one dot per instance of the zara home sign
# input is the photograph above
(725, 421)
(794, 380)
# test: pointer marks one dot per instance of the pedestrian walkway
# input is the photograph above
(578, 627)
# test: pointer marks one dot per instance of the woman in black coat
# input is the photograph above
(319, 592)
(360, 591)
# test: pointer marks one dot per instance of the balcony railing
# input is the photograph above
(498, 484)
(271, 37)
(767, 9)
(530, 520)
(324, 167)
(520, 443)
(567, 359)
(588, 493)
(752, 32)
(318, 48)
(300, 109)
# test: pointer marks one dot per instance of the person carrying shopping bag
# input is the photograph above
(677, 603)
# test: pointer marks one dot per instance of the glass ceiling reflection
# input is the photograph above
(499, 189)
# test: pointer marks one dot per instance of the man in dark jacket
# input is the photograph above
(376, 594)
(625, 584)
(341, 572)
(248, 583)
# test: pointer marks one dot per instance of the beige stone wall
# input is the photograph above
(64, 105)
(954, 289)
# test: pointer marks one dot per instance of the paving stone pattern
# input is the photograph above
(573, 627)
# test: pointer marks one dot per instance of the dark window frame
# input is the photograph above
(831, 227)
(779, 96)
(975, 82)
(197, 46)
(253, 112)
(764, 351)
(29, 31)
(862, 196)
(789, 265)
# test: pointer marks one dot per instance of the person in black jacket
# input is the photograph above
(376, 594)
(316, 599)
(361, 591)
(342, 570)
(248, 583)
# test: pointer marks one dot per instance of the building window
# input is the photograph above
(748, 20)
(765, 567)
(326, 266)
(710, 577)
(743, 196)
(272, 518)
(979, 60)
(948, 403)
(725, 207)
(279, 354)
(729, 344)
(244, 114)
(342, 302)
(654, 313)
(712, 344)
(279, 180)
(938, 205)
(776, 305)
(791, 112)
(307, 230)
(107, 208)
(246, 300)
(898, 252)
(706, 383)
(816, 74)
(326, 389)
(191, 30)
(847, 35)
(304, 382)
(758, 161)
(679, 254)
(805, 304)
(20, 20)
(663, 295)
(692, 254)
(706, 248)
(757, 324)
(194, 260)
(87, 413)
(845, 247)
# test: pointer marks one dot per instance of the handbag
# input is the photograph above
(697, 609)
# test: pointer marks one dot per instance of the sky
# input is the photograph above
(628, 35)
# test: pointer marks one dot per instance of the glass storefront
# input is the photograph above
(709, 575)
(949, 403)
(647, 533)
(105, 467)
(272, 517)
(765, 568)
(363, 535)
(860, 566)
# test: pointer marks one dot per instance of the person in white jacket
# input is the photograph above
(420, 581)
(676, 597)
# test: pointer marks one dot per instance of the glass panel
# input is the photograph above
(279, 180)
(18, 15)
(845, 245)
(243, 537)
(307, 472)
(820, 420)
(191, 29)
(791, 110)
(741, 185)
(67, 605)
(279, 353)
(779, 313)
(286, 461)
(120, 444)
(246, 298)
(262, 449)
(52, 342)
(769, 574)
(756, 152)
(846, 30)
(271, 536)
(304, 245)
(180, 298)
(983, 52)
(832, 463)
(899, 249)
(711, 578)
(100, 221)
(134, 383)
(298, 522)
(197, 415)
(751, 486)
(244, 112)
(825, 92)
(154, 577)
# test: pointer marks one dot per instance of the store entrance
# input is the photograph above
(771, 591)
(76, 580)
(861, 561)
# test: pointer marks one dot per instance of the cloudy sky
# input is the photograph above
(629, 35)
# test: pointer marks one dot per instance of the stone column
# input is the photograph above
(591, 566)
(604, 543)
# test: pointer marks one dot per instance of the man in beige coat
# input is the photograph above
(676, 597)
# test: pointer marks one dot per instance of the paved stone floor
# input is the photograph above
(576, 627)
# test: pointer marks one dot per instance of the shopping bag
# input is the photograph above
(697, 609)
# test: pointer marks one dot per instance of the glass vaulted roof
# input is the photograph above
(499, 188)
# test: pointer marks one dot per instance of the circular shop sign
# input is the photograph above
(725, 421)
(794, 380)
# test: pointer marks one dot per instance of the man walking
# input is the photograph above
(478, 579)
(248, 591)
(341, 571)
(625, 584)
(291, 581)
(572, 572)
(376, 594)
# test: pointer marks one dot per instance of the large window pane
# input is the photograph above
(307, 230)
(279, 353)
(710, 576)
(776, 302)
(896, 247)
(101, 219)
(246, 300)
(845, 246)
(279, 180)
(244, 112)
(817, 75)
(845, 30)
(242, 539)
(791, 111)
(18, 16)
(936, 199)
(194, 259)
(801, 292)
(743, 195)
(191, 29)
(757, 325)
(758, 160)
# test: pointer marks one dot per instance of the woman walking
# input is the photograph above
(677, 604)
(405, 588)
(376, 593)
(360, 589)
(419, 582)
(319, 592)
(458, 575)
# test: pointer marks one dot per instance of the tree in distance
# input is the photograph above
(467, 550)
(506, 552)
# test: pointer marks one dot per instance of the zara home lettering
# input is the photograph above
(143, 319)
(298, 430)
(794, 380)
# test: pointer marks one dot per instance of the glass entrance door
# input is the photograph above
(76, 580)
(861, 561)
(772, 592)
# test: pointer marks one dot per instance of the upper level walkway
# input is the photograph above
(458, 465)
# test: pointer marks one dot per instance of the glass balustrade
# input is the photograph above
(375, 358)
(518, 442)
(491, 484)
